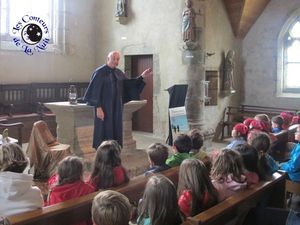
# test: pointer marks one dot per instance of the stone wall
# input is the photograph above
(260, 56)
(154, 27)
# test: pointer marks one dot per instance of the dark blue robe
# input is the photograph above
(106, 91)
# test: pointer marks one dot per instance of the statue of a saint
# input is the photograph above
(188, 24)
(121, 8)
(228, 73)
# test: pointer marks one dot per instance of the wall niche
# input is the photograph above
(212, 76)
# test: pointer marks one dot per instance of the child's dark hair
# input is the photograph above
(228, 162)
(158, 153)
(111, 207)
(159, 202)
(12, 158)
(196, 138)
(262, 144)
(249, 155)
(278, 120)
(183, 143)
(194, 176)
(107, 157)
(69, 170)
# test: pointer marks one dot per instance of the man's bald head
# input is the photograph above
(113, 59)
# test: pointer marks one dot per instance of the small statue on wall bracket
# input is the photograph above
(121, 10)
(228, 79)
(188, 26)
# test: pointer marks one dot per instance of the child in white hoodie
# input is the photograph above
(17, 194)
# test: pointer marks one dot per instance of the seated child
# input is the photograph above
(159, 203)
(108, 170)
(69, 181)
(292, 167)
(247, 122)
(111, 208)
(250, 160)
(228, 174)
(157, 155)
(181, 148)
(296, 118)
(17, 194)
(287, 117)
(195, 190)
(239, 134)
(277, 123)
(197, 151)
(266, 164)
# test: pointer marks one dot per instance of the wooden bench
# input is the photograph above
(280, 149)
(237, 114)
(79, 209)
(24, 103)
(234, 209)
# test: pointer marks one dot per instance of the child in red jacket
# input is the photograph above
(69, 183)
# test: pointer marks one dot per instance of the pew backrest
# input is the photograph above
(234, 209)
(79, 209)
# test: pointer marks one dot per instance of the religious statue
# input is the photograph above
(228, 81)
(188, 24)
(121, 8)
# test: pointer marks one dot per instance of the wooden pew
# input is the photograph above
(79, 209)
(280, 149)
(234, 209)
(236, 114)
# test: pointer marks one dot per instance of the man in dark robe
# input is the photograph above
(105, 93)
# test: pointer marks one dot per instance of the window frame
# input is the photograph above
(282, 90)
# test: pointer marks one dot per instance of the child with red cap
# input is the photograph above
(287, 117)
(239, 134)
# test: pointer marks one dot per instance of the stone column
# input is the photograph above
(193, 56)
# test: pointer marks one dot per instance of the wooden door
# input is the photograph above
(143, 119)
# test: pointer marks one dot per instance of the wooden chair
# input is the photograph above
(44, 151)
(10, 126)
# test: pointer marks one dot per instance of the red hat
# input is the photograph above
(287, 117)
(259, 125)
(248, 121)
(241, 128)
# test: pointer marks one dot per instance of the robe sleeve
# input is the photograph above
(132, 89)
(93, 95)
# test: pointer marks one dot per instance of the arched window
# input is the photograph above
(288, 68)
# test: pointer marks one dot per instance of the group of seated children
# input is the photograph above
(203, 182)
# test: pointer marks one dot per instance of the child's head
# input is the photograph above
(196, 139)
(262, 117)
(158, 154)
(228, 162)
(239, 130)
(261, 143)
(277, 122)
(182, 143)
(248, 121)
(287, 117)
(111, 208)
(260, 125)
(69, 170)
(249, 155)
(159, 202)
(107, 157)
(12, 158)
(194, 176)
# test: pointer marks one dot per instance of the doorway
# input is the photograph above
(142, 120)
